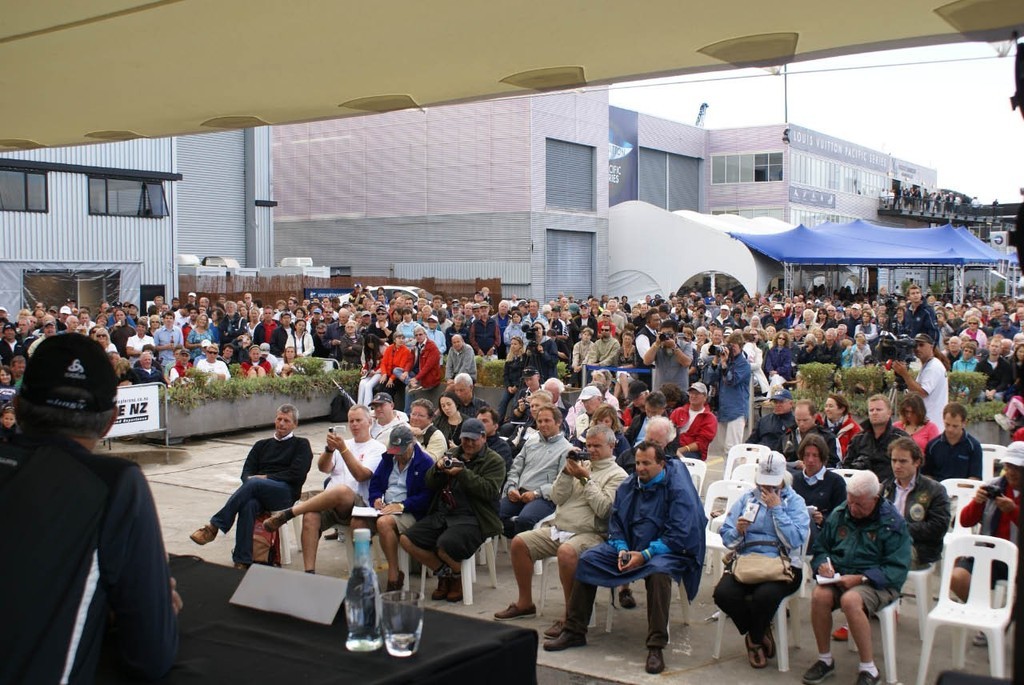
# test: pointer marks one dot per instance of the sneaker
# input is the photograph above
(819, 672)
(513, 612)
(841, 634)
(865, 678)
(1004, 422)
(980, 640)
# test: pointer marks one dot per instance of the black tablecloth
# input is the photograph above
(223, 643)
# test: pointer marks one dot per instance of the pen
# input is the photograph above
(829, 560)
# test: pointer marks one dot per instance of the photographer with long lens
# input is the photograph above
(731, 374)
(930, 383)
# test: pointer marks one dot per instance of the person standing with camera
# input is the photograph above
(671, 361)
(930, 383)
(730, 371)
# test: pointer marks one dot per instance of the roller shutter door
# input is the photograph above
(569, 182)
(570, 264)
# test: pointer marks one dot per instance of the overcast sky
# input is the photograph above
(954, 116)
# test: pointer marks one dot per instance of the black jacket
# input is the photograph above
(870, 454)
(771, 431)
(927, 514)
(790, 444)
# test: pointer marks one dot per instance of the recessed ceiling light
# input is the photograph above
(760, 50)
(114, 135)
(242, 121)
(549, 78)
(19, 144)
(381, 103)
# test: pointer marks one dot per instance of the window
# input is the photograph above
(570, 176)
(121, 197)
(761, 167)
(22, 191)
(753, 212)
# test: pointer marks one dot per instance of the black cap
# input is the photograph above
(636, 389)
(530, 371)
(381, 398)
(400, 438)
(924, 338)
(472, 428)
(70, 372)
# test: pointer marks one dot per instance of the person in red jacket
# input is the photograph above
(426, 370)
(396, 357)
(696, 424)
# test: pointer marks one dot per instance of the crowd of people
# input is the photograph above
(597, 483)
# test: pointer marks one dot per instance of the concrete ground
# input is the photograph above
(190, 482)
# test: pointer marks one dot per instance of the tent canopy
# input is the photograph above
(104, 70)
(864, 244)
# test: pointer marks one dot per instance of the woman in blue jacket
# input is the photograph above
(776, 517)
(780, 358)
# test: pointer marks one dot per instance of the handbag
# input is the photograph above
(754, 568)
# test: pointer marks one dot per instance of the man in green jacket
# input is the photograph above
(463, 513)
(864, 549)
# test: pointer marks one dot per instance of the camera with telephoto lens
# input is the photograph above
(530, 335)
(715, 350)
(665, 337)
(578, 454)
(895, 349)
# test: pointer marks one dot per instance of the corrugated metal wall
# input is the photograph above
(262, 181)
(211, 195)
(507, 272)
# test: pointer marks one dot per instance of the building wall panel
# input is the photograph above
(211, 195)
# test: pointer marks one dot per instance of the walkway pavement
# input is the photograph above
(191, 482)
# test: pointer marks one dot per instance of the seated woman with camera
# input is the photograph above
(765, 530)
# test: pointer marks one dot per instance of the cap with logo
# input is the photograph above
(382, 398)
(65, 309)
(530, 371)
(70, 372)
(771, 470)
(782, 395)
(472, 428)
(401, 437)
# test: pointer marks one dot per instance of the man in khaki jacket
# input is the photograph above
(583, 494)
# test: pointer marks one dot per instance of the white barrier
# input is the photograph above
(139, 410)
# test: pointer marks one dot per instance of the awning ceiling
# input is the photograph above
(863, 244)
(78, 71)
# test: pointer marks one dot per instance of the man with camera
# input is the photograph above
(730, 371)
(930, 383)
(583, 494)
(670, 359)
(463, 512)
(655, 533)
(527, 491)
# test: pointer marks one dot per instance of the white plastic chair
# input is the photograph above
(845, 473)
(990, 454)
(887, 622)
(538, 566)
(746, 473)
(960, 491)
(920, 580)
(730, 491)
(742, 454)
(698, 471)
(977, 613)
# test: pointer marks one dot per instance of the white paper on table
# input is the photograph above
(302, 595)
(825, 580)
(364, 512)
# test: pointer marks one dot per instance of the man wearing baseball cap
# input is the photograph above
(771, 430)
(463, 512)
(696, 423)
(930, 383)
(84, 540)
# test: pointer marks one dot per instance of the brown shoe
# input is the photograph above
(566, 640)
(204, 535)
(443, 584)
(394, 585)
(276, 520)
(655, 661)
(514, 612)
(556, 629)
(242, 567)
(455, 588)
(626, 599)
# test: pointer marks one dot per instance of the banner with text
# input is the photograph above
(623, 171)
(138, 410)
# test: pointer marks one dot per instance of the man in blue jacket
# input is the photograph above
(399, 493)
(731, 374)
(656, 532)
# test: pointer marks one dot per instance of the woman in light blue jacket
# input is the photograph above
(514, 329)
(775, 516)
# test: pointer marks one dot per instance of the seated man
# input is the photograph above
(805, 418)
(527, 491)
(146, 372)
(922, 501)
(489, 418)
(696, 423)
(460, 360)
(351, 464)
(583, 494)
(955, 453)
(656, 532)
(385, 418)
(399, 493)
(463, 512)
(85, 551)
(866, 543)
(469, 405)
(770, 430)
(272, 478)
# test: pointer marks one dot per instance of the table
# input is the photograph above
(223, 643)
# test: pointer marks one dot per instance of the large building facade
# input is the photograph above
(519, 189)
(107, 222)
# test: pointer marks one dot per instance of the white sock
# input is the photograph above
(869, 668)
(826, 657)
